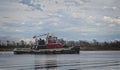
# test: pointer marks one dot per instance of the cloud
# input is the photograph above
(112, 8)
(112, 20)
(80, 30)
(88, 18)
(5, 38)
(32, 3)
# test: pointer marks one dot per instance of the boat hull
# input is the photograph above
(72, 50)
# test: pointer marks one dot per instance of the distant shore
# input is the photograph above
(84, 45)
(2, 49)
(11, 49)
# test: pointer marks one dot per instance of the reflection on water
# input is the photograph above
(86, 60)
(47, 63)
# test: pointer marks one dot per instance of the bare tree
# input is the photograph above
(8, 42)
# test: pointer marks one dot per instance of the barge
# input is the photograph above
(48, 46)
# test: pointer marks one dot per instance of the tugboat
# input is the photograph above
(48, 46)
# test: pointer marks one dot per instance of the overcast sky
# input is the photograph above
(68, 19)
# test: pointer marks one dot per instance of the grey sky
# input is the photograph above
(69, 19)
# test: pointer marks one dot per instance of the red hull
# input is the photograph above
(53, 45)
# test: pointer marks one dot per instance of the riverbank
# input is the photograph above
(3, 49)
(11, 49)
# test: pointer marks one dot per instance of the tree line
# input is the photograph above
(84, 45)
(10, 45)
